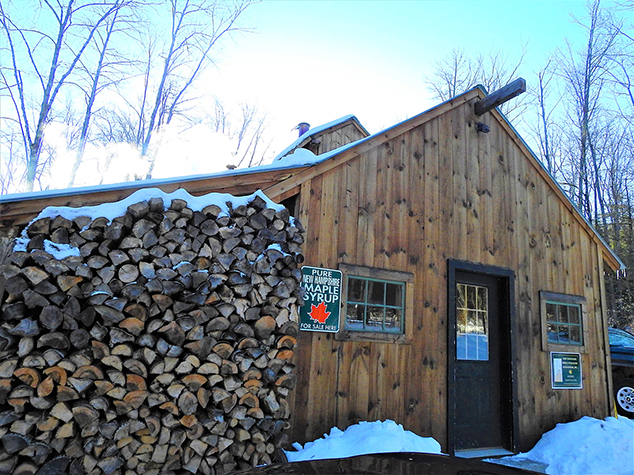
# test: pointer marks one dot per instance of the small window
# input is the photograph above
(562, 320)
(376, 304)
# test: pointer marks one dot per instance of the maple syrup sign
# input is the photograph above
(322, 295)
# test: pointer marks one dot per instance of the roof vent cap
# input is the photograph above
(303, 127)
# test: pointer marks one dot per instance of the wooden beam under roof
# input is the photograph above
(500, 96)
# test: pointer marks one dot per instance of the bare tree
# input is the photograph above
(195, 28)
(8, 161)
(545, 128)
(584, 73)
(621, 67)
(453, 75)
(459, 72)
(99, 76)
(41, 63)
(600, 109)
(246, 133)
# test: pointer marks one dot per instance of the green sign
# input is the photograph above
(322, 297)
(565, 370)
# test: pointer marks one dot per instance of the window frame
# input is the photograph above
(569, 300)
(406, 278)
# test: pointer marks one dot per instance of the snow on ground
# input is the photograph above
(585, 447)
(588, 446)
(364, 438)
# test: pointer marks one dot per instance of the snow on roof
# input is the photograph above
(300, 158)
(313, 131)
(154, 182)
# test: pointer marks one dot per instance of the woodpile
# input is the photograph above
(164, 345)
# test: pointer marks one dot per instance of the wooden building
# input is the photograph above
(469, 278)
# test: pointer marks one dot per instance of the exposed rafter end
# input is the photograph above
(500, 96)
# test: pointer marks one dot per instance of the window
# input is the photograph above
(376, 304)
(562, 320)
(472, 322)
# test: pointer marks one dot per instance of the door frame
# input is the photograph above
(506, 301)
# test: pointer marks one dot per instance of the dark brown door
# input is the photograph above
(479, 363)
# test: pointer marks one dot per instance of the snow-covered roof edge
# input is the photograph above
(316, 130)
(153, 182)
(295, 160)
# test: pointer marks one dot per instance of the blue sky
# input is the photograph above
(315, 61)
(318, 60)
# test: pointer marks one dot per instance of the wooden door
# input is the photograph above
(480, 393)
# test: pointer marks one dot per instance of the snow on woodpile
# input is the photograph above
(152, 335)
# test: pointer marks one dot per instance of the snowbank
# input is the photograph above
(588, 446)
(364, 438)
(585, 447)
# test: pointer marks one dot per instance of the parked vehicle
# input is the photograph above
(622, 355)
(390, 464)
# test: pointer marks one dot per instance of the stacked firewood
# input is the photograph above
(164, 346)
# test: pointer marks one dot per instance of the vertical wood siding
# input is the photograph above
(338, 137)
(440, 191)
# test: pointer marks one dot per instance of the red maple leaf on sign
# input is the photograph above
(319, 313)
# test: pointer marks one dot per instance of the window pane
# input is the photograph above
(483, 347)
(376, 292)
(462, 296)
(482, 298)
(461, 346)
(482, 323)
(356, 290)
(472, 322)
(393, 320)
(462, 320)
(551, 312)
(472, 347)
(393, 295)
(354, 317)
(564, 336)
(564, 322)
(573, 315)
(471, 297)
(575, 335)
(374, 318)
(551, 328)
(563, 313)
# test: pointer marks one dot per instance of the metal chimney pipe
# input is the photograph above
(303, 128)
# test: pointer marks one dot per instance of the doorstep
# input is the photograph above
(483, 452)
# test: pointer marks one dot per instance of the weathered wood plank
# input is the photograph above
(367, 211)
(349, 211)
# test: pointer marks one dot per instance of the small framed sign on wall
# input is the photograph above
(322, 300)
(565, 370)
